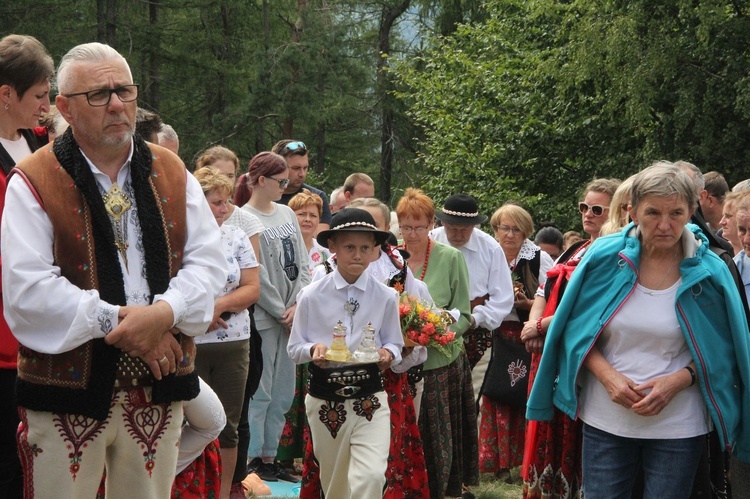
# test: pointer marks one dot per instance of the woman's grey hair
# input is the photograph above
(87, 52)
(663, 179)
(372, 203)
(742, 185)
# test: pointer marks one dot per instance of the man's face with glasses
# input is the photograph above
(96, 122)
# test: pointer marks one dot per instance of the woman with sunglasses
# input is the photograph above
(283, 256)
(649, 348)
(552, 454)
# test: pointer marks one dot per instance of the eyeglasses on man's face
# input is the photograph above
(406, 229)
(102, 96)
(283, 182)
(596, 209)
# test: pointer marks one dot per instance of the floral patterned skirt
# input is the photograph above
(448, 424)
(406, 475)
(555, 469)
(296, 433)
(503, 427)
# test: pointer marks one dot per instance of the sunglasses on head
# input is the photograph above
(596, 209)
(296, 146)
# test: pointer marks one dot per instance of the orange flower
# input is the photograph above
(404, 309)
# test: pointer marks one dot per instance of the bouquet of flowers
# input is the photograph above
(421, 324)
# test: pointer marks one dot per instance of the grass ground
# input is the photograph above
(492, 488)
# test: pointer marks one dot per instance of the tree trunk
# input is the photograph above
(296, 28)
(154, 49)
(388, 17)
(106, 18)
(265, 78)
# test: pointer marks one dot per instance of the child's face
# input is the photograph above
(354, 252)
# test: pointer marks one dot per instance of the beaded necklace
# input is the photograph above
(426, 259)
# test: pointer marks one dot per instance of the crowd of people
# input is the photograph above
(176, 334)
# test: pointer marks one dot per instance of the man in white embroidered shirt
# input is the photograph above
(490, 282)
(114, 261)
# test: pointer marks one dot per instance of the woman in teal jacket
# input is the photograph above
(648, 344)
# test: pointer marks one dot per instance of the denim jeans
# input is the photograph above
(610, 464)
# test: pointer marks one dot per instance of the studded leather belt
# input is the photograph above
(132, 372)
(344, 383)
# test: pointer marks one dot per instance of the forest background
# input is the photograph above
(522, 100)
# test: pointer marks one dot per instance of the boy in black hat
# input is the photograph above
(346, 406)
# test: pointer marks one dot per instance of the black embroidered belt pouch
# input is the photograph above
(344, 383)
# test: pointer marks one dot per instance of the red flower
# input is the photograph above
(423, 340)
(428, 329)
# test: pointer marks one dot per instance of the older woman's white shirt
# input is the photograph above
(49, 314)
(239, 255)
(642, 341)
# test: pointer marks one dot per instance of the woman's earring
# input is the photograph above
(7, 106)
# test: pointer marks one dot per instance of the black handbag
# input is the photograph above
(507, 378)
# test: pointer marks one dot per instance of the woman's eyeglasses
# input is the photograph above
(596, 209)
(283, 182)
(506, 228)
(405, 229)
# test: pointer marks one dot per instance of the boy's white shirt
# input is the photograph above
(322, 304)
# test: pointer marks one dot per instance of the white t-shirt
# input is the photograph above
(643, 341)
(18, 149)
(245, 221)
(239, 255)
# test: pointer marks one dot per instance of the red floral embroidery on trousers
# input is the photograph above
(146, 424)
(366, 407)
(77, 430)
(332, 415)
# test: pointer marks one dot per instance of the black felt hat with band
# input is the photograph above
(352, 220)
(461, 209)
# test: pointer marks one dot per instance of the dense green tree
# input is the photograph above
(544, 95)
(241, 73)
